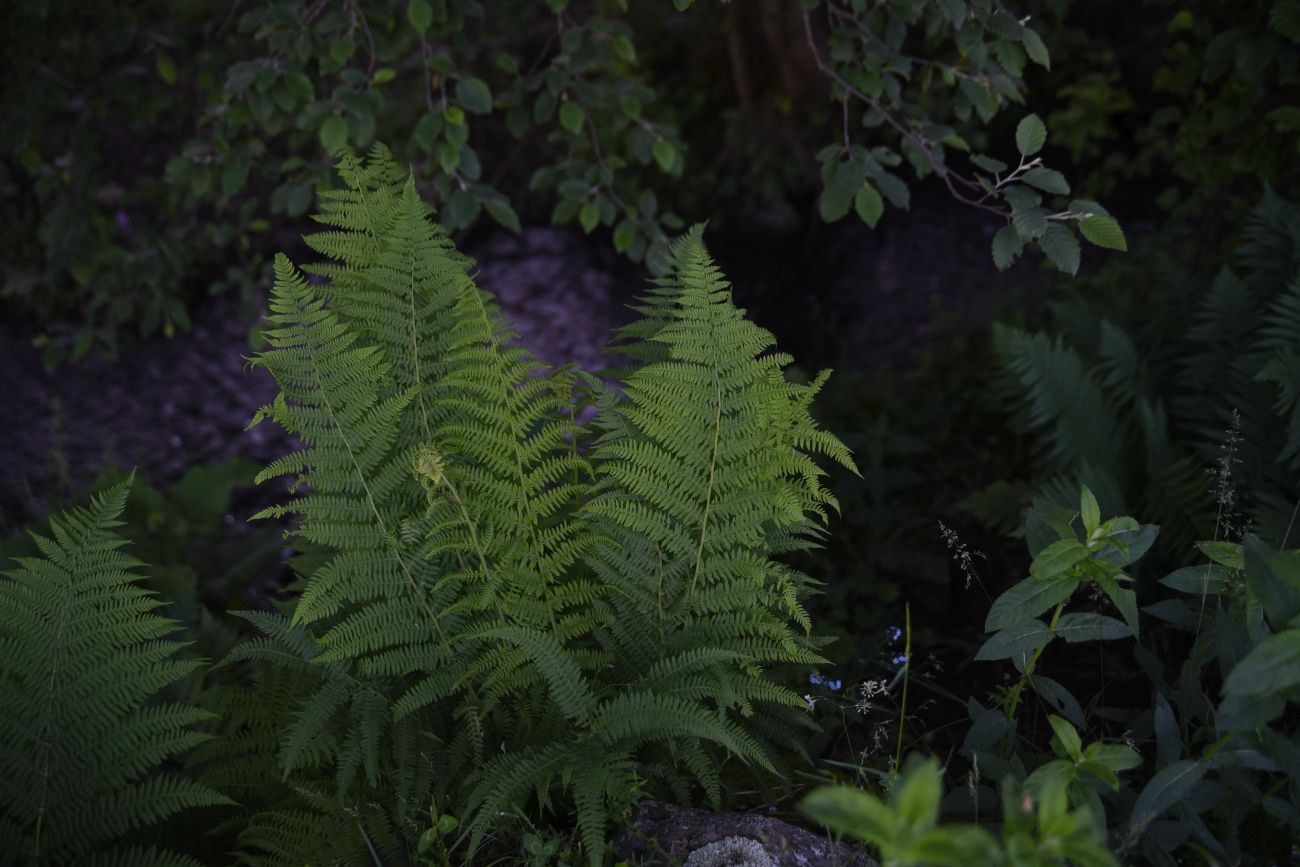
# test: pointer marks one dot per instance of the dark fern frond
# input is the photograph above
(82, 737)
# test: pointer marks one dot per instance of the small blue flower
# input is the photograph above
(835, 685)
(900, 659)
(814, 679)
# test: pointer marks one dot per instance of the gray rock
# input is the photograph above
(663, 835)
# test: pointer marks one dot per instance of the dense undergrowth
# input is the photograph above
(1034, 601)
(511, 624)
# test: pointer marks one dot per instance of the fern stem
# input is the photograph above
(370, 498)
(530, 518)
(713, 468)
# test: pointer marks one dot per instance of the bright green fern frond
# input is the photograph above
(82, 738)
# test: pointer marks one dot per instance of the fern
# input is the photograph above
(1142, 428)
(83, 737)
(533, 610)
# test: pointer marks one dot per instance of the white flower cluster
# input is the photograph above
(866, 692)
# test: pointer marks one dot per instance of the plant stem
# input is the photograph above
(907, 670)
(1029, 669)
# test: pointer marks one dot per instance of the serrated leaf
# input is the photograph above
(1031, 135)
(989, 164)
(664, 153)
(834, 203)
(166, 67)
(954, 11)
(1057, 558)
(624, 48)
(504, 214)
(1007, 247)
(475, 95)
(1103, 231)
(1035, 48)
(334, 134)
(589, 216)
(448, 157)
(1061, 247)
(1030, 222)
(624, 235)
(572, 116)
(420, 15)
(869, 205)
(1047, 180)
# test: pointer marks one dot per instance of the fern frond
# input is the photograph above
(82, 738)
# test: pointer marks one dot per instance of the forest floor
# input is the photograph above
(841, 296)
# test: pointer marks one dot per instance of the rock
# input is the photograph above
(659, 835)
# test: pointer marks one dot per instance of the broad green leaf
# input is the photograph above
(1007, 247)
(1035, 48)
(334, 134)
(1027, 599)
(1089, 511)
(1067, 736)
(989, 164)
(1048, 773)
(1088, 626)
(851, 812)
(448, 157)
(1061, 247)
(664, 153)
(384, 75)
(420, 15)
(1057, 697)
(166, 67)
(1117, 757)
(1227, 554)
(916, 800)
(1274, 576)
(475, 95)
(1135, 538)
(1103, 231)
(869, 205)
(1209, 579)
(1031, 135)
(624, 48)
(572, 116)
(1047, 180)
(954, 11)
(1165, 789)
(1030, 222)
(1020, 639)
(1058, 557)
(589, 216)
(624, 235)
(1271, 668)
(1169, 740)
(504, 214)
(834, 203)
(952, 846)
(1125, 600)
